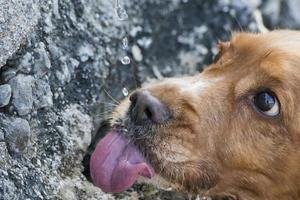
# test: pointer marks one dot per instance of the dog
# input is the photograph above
(229, 132)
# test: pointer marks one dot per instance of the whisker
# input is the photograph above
(105, 113)
(108, 103)
(113, 99)
(238, 23)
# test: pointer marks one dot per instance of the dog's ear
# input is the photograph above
(222, 46)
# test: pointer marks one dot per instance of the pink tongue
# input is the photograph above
(116, 164)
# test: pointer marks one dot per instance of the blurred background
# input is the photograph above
(65, 64)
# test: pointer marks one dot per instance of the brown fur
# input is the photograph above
(216, 143)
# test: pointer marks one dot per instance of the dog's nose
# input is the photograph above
(145, 107)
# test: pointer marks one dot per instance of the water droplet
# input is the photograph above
(125, 43)
(121, 13)
(125, 92)
(125, 60)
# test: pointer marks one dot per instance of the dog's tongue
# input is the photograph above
(116, 164)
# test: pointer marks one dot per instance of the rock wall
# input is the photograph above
(62, 73)
(17, 18)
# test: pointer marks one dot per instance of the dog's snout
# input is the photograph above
(145, 107)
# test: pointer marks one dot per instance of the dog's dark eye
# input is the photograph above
(266, 103)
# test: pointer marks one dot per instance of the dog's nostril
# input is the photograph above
(148, 113)
(145, 107)
(133, 98)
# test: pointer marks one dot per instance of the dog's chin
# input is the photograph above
(159, 182)
(162, 184)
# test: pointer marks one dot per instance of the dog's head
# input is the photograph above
(230, 131)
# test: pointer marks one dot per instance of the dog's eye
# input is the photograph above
(266, 103)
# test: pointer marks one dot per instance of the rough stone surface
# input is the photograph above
(16, 134)
(22, 93)
(66, 76)
(17, 19)
(5, 94)
(42, 94)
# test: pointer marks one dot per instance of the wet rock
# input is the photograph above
(22, 99)
(17, 134)
(5, 94)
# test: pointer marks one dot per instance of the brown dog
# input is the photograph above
(232, 131)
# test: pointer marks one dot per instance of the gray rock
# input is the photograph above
(22, 99)
(17, 19)
(8, 74)
(1, 135)
(5, 94)
(74, 63)
(80, 126)
(85, 52)
(17, 133)
(9, 190)
(25, 63)
(65, 73)
(42, 62)
(42, 94)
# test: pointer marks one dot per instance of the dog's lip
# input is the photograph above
(116, 163)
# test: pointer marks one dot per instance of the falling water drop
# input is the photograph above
(121, 12)
(125, 60)
(125, 43)
(125, 92)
